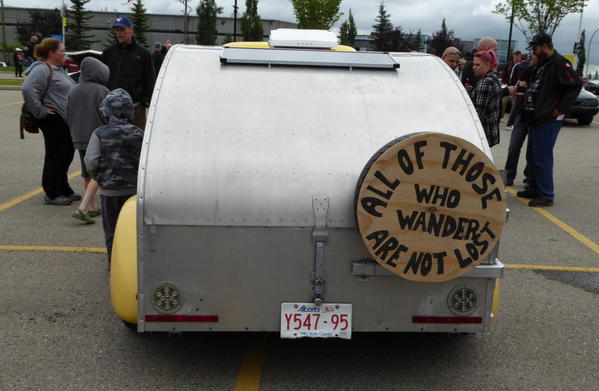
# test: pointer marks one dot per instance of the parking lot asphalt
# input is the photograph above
(58, 331)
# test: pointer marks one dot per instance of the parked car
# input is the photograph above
(584, 108)
(592, 86)
(73, 59)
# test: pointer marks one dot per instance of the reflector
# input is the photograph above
(182, 318)
(446, 319)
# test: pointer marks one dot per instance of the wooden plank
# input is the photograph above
(430, 207)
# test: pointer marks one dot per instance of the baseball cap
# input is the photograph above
(540, 39)
(122, 21)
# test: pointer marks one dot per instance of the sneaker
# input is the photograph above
(540, 202)
(509, 182)
(83, 216)
(510, 127)
(74, 197)
(526, 194)
(60, 200)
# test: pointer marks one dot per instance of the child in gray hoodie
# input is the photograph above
(83, 117)
(112, 159)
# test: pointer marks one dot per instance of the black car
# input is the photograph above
(592, 86)
(584, 108)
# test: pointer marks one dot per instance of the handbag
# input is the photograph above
(27, 121)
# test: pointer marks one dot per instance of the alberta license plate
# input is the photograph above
(328, 320)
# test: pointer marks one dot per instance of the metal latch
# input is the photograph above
(320, 235)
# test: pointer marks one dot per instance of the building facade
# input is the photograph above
(162, 27)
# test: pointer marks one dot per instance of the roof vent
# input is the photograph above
(296, 38)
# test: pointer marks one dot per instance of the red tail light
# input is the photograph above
(447, 319)
(183, 318)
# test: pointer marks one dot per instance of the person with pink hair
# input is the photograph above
(486, 95)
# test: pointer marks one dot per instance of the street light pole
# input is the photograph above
(580, 21)
(509, 40)
(589, 51)
(62, 22)
(3, 30)
(186, 23)
(235, 22)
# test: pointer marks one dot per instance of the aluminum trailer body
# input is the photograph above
(235, 160)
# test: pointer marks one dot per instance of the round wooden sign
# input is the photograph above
(430, 207)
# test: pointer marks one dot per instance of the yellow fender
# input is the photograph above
(123, 268)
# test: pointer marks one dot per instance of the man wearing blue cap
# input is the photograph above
(131, 68)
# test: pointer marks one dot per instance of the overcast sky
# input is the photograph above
(468, 19)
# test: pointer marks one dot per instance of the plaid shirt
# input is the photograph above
(486, 97)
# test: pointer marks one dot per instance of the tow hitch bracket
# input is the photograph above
(320, 236)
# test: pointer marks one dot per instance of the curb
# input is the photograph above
(10, 88)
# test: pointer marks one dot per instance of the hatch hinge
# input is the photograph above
(320, 235)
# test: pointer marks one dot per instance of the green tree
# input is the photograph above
(347, 32)
(207, 12)
(596, 75)
(111, 37)
(251, 25)
(399, 41)
(77, 29)
(538, 16)
(419, 42)
(140, 22)
(316, 14)
(581, 56)
(441, 40)
(382, 30)
(228, 38)
(42, 23)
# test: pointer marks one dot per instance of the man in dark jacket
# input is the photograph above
(157, 57)
(30, 49)
(131, 69)
(552, 90)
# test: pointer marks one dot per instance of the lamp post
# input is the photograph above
(589, 50)
(235, 22)
(509, 40)
(185, 23)
(3, 30)
(63, 22)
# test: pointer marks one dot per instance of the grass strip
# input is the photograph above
(11, 82)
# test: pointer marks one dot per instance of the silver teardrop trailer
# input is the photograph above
(310, 191)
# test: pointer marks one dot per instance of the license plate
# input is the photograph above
(299, 320)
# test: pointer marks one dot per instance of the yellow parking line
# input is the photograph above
(555, 268)
(250, 372)
(11, 104)
(574, 233)
(27, 196)
(254, 349)
(53, 248)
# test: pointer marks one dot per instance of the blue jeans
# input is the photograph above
(541, 140)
